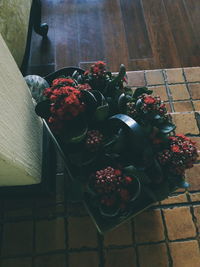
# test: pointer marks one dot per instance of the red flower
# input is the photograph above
(95, 70)
(100, 63)
(86, 72)
(183, 137)
(149, 100)
(47, 92)
(175, 148)
(53, 97)
(117, 172)
(128, 180)
(59, 81)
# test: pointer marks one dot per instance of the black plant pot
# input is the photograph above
(68, 71)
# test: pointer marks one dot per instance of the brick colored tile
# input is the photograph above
(180, 190)
(136, 78)
(183, 106)
(179, 92)
(122, 235)
(17, 238)
(84, 259)
(196, 105)
(185, 254)
(82, 232)
(51, 260)
(192, 74)
(175, 75)
(195, 90)
(77, 209)
(42, 202)
(50, 211)
(159, 91)
(18, 262)
(197, 216)
(193, 177)
(120, 257)
(153, 255)
(175, 199)
(26, 212)
(153, 220)
(185, 123)
(195, 197)
(18, 203)
(154, 77)
(50, 235)
(179, 223)
(18, 207)
(168, 107)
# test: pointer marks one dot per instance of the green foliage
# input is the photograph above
(141, 90)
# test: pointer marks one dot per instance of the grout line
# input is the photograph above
(101, 253)
(73, 214)
(134, 242)
(145, 79)
(166, 81)
(170, 261)
(169, 94)
(187, 87)
(194, 219)
(175, 205)
(66, 242)
(89, 249)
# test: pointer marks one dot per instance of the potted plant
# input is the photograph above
(120, 143)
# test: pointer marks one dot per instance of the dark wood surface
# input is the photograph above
(142, 34)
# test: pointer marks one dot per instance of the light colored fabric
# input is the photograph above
(14, 21)
(20, 127)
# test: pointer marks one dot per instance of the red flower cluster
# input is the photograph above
(62, 82)
(180, 155)
(148, 105)
(98, 69)
(112, 185)
(94, 140)
(65, 102)
(153, 104)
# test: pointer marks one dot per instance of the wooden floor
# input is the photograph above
(142, 34)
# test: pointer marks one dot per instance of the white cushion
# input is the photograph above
(20, 127)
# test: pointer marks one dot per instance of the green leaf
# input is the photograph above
(122, 100)
(141, 175)
(117, 80)
(138, 104)
(141, 90)
(128, 91)
(101, 112)
(166, 127)
(77, 135)
(75, 75)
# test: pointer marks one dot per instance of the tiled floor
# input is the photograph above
(51, 232)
